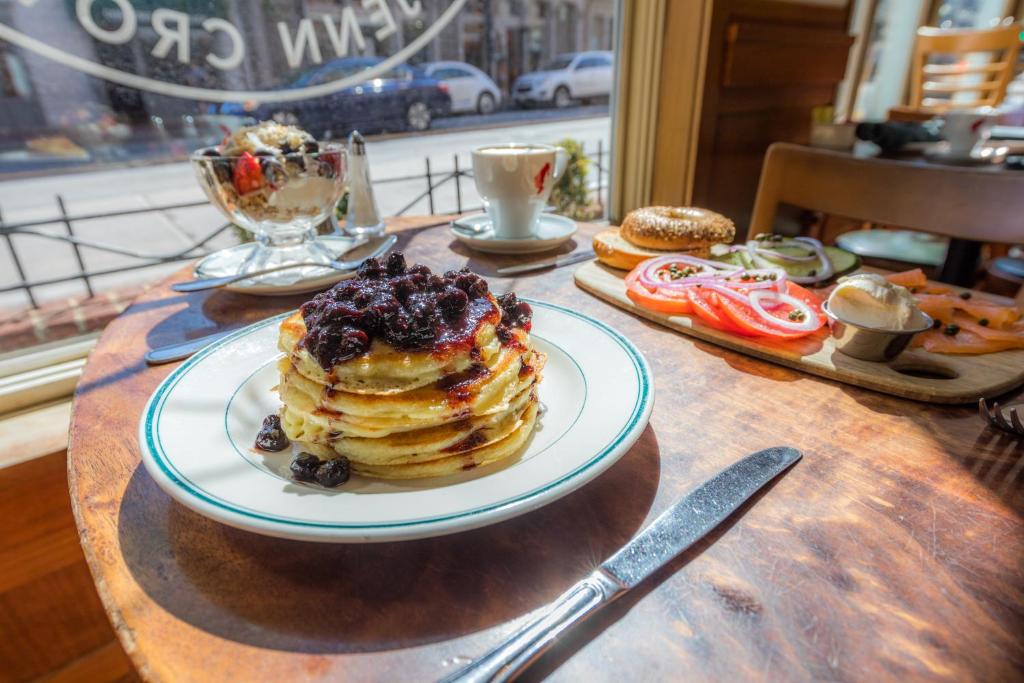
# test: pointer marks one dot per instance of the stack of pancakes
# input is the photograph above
(401, 414)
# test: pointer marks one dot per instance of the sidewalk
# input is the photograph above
(171, 231)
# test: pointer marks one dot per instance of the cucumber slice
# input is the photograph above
(842, 261)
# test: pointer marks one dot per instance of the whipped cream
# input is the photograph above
(869, 300)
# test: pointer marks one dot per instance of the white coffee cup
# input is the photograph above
(963, 129)
(515, 181)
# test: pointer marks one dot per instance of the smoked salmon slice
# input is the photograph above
(1003, 328)
(964, 342)
(942, 307)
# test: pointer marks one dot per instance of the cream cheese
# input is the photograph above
(869, 300)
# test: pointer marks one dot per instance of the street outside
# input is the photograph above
(165, 232)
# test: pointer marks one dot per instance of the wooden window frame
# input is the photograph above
(657, 101)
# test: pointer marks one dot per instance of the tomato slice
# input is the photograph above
(807, 296)
(705, 305)
(641, 296)
(747, 319)
(720, 312)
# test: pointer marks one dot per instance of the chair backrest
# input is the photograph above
(986, 80)
(983, 204)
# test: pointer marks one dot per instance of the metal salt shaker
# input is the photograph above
(363, 216)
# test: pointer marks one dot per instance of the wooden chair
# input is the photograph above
(978, 204)
(986, 81)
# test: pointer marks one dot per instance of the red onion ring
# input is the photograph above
(810, 323)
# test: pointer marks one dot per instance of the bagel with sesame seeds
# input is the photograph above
(670, 228)
(660, 230)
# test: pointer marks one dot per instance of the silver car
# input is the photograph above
(470, 88)
(565, 79)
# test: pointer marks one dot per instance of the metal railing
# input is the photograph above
(14, 232)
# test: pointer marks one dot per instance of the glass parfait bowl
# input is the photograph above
(279, 198)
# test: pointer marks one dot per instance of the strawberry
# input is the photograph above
(248, 176)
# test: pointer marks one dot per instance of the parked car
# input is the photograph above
(470, 88)
(402, 98)
(567, 77)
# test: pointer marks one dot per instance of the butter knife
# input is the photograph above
(688, 520)
(557, 262)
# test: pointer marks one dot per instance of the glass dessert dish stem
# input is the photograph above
(274, 247)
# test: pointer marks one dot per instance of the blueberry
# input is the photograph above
(362, 298)
(333, 344)
(333, 472)
(478, 289)
(405, 287)
(464, 281)
(341, 313)
(453, 302)
(271, 436)
(304, 467)
(514, 312)
(353, 342)
(396, 264)
(370, 269)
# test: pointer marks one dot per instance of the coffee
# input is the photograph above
(515, 181)
(965, 128)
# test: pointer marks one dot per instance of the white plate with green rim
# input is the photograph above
(281, 283)
(197, 430)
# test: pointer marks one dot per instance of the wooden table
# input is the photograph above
(894, 550)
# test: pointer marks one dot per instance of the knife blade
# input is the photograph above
(684, 523)
(182, 350)
(557, 262)
(692, 517)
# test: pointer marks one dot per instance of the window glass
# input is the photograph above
(559, 63)
(449, 73)
(103, 101)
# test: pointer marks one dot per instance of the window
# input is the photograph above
(13, 78)
(560, 63)
(593, 63)
(449, 73)
(98, 198)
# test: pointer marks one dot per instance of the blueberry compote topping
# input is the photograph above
(409, 307)
(514, 313)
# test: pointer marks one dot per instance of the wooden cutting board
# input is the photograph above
(916, 374)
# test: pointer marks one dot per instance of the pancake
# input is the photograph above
(485, 455)
(474, 392)
(384, 369)
(404, 373)
(304, 419)
(422, 445)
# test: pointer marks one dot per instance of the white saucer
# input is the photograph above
(291, 281)
(552, 231)
(980, 156)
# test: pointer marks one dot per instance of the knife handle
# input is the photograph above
(517, 651)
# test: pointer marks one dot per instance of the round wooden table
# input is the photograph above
(893, 550)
